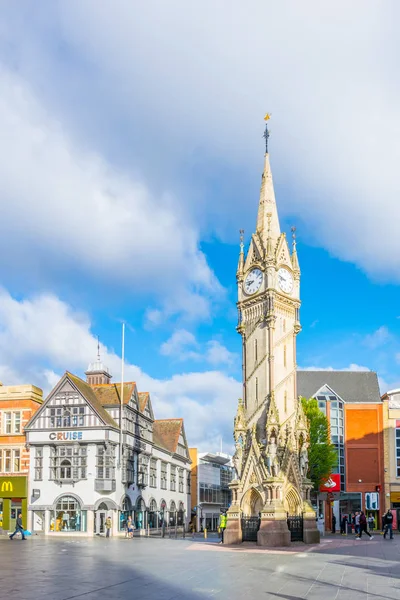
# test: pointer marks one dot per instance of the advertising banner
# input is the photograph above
(332, 484)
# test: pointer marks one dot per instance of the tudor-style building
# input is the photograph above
(85, 467)
(270, 429)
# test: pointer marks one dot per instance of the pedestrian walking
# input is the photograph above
(357, 522)
(388, 524)
(362, 527)
(222, 525)
(343, 525)
(128, 527)
(18, 528)
(333, 524)
(371, 522)
(108, 526)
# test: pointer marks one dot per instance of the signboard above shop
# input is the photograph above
(13, 487)
(332, 484)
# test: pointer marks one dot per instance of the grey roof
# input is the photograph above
(351, 386)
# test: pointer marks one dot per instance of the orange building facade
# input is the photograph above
(352, 404)
(17, 405)
(364, 442)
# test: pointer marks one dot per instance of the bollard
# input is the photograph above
(205, 534)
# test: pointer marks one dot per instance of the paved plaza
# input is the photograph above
(97, 569)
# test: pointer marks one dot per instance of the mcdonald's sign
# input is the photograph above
(13, 487)
(7, 486)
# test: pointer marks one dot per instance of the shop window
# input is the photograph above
(163, 476)
(398, 448)
(68, 516)
(16, 460)
(153, 515)
(172, 514)
(153, 473)
(7, 422)
(7, 461)
(38, 464)
(181, 482)
(180, 514)
(129, 469)
(173, 479)
(105, 468)
(71, 416)
(143, 469)
(10, 460)
(11, 422)
(68, 463)
(125, 513)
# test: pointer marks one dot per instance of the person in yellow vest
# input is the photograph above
(222, 525)
(108, 526)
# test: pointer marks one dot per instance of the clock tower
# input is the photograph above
(270, 429)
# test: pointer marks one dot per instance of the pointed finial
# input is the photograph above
(241, 231)
(98, 348)
(266, 132)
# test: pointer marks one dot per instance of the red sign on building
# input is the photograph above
(332, 484)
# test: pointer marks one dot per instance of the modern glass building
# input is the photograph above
(211, 475)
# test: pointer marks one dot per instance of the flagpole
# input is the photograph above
(121, 394)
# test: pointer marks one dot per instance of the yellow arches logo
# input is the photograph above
(7, 486)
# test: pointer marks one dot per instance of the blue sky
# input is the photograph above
(131, 155)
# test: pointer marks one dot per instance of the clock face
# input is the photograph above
(285, 280)
(253, 281)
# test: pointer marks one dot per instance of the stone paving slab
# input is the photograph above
(145, 569)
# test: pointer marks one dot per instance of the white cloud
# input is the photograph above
(378, 338)
(218, 354)
(42, 337)
(67, 208)
(183, 346)
(198, 84)
(176, 345)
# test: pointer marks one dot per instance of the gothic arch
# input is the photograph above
(110, 504)
(293, 503)
(252, 502)
(71, 495)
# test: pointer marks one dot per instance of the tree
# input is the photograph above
(322, 455)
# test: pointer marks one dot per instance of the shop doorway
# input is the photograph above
(100, 519)
(16, 508)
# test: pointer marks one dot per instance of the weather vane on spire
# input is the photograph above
(241, 231)
(98, 348)
(266, 132)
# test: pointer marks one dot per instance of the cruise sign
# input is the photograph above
(65, 436)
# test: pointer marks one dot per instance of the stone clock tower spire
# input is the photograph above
(270, 430)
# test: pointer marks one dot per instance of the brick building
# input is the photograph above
(18, 403)
(352, 403)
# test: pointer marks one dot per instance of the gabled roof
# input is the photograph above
(143, 400)
(89, 395)
(166, 433)
(351, 386)
(110, 393)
